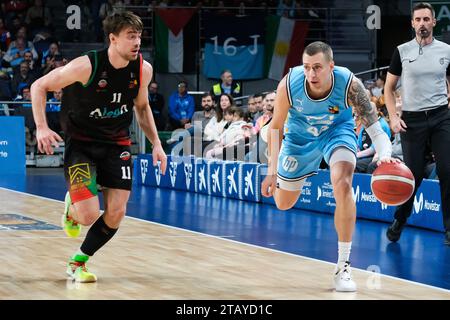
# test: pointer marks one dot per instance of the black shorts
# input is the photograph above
(87, 164)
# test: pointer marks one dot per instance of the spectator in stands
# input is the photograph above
(377, 89)
(38, 17)
(215, 126)
(259, 99)
(156, 101)
(230, 136)
(16, 51)
(12, 9)
(366, 150)
(268, 105)
(226, 85)
(35, 68)
(23, 78)
(5, 37)
(52, 50)
(251, 109)
(24, 109)
(205, 115)
(52, 111)
(181, 106)
(54, 62)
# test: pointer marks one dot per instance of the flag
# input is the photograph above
(176, 40)
(285, 41)
(234, 43)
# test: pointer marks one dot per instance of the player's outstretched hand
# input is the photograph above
(47, 139)
(159, 155)
(268, 185)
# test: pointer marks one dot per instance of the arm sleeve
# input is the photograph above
(396, 64)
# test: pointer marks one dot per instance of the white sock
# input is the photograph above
(344, 249)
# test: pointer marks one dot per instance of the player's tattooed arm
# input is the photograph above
(359, 100)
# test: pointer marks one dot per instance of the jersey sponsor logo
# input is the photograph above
(125, 156)
(79, 173)
(333, 109)
(132, 84)
(102, 83)
(98, 113)
(290, 164)
(441, 61)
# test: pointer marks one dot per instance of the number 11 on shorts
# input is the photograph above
(126, 173)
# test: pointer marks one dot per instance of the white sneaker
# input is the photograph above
(343, 279)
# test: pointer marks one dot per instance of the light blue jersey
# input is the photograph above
(314, 128)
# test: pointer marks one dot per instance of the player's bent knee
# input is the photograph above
(88, 217)
(342, 188)
(115, 215)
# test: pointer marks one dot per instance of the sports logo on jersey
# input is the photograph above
(79, 173)
(290, 164)
(441, 61)
(125, 156)
(333, 109)
(102, 83)
(104, 75)
(105, 113)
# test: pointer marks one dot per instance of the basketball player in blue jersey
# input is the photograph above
(101, 90)
(313, 120)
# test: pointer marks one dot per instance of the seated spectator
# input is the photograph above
(205, 115)
(52, 50)
(259, 104)
(268, 105)
(16, 51)
(377, 88)
(366, 151)
(215, 126)
(35, 68)
(24, 78)
(181, 107)
(251, 109)
(157, 105)
(54, 62)
(24, 109)
(52, 111)
(230, 136)
(226, 85)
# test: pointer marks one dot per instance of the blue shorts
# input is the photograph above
(297, 162)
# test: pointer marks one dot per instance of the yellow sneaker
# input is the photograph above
(77, 270)
(70, 226)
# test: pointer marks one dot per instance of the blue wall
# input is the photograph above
(242, 180)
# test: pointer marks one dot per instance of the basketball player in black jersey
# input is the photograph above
(101, 89)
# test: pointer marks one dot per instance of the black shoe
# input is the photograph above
(447, 238)
(395, 230)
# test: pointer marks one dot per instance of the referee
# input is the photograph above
(423, 65)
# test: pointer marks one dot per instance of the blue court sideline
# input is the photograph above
(419, 256)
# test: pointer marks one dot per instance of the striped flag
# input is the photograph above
(285, 40)
(176, 40)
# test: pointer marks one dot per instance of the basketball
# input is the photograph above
(392, 183)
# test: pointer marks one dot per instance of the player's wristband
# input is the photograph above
(380, 140)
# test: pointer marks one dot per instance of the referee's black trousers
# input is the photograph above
(424, 126)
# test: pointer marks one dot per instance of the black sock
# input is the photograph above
(97, 236)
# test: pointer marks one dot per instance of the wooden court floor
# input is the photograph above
(151, 261)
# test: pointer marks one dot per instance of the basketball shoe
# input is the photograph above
(70, 226)
(77, 270)
(343, 279)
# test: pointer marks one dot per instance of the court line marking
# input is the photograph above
(252, 245)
